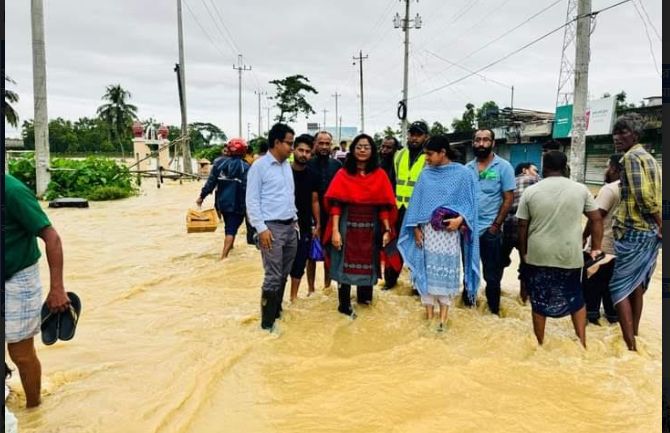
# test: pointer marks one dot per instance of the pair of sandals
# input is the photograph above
(60, 326)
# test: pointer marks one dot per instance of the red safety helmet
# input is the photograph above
(237, 147)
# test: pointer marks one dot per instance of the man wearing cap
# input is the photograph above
(408, 164)
(496, 195)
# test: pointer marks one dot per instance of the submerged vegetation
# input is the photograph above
(93, 178)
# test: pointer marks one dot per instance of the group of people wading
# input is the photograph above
(418, 206)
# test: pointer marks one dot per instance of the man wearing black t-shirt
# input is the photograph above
(307, 203)
(325, 168)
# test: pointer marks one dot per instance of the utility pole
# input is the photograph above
(323, 128)
(406, 24)
(260, 127)
(339, 131)
(267, 99)
(42, 175)
(186, 149)
(360, 59)
(240, 67)
(337, 116)
(582, 54)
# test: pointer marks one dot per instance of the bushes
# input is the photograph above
(210, 153)
(93, 178)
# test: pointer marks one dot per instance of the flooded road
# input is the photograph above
(169, 341)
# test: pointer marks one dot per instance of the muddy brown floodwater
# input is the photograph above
(169, 341)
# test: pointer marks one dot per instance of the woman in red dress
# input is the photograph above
(362, 209)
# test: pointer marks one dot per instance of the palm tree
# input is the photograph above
(11, 115)
(118, 113)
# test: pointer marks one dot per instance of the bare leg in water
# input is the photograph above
(444, 309)
(429, 312)
(626, 310)
(579, 323)
(636, 301)
(311, 275)
(24, 356)
(227, 246)
(295, 285)
(539, 321)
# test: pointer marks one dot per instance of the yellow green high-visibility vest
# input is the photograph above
(406, 176)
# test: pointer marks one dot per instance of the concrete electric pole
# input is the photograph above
(240, 67)
(337, 116)
(42, 175)
(260, 126)
(360, 59)
(186, 148)
(406, 23)
(582, 55)
(323, 127)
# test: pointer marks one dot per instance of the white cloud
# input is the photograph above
(91, 45)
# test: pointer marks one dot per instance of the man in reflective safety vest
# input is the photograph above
(407, 165)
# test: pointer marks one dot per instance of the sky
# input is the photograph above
(93, 44)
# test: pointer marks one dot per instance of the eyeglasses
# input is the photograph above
(363, 147)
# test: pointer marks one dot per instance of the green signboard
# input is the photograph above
(563, 122)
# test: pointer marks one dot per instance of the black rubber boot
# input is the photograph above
(364, 295)
(269, 305)
(280, 300)
(344, 296)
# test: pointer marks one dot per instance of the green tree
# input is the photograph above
(488, 115)
(388, 131)
(202, 133)
(467, 122)
(438, 129)
(62, 137)
(118, 114)
(11, 97)
(28, 134)
(92, 135)
(290, 97)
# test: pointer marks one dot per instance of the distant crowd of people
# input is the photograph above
(374, 209)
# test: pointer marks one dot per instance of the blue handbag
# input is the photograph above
(316, 250)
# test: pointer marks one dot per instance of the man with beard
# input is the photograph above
(496, 195)
(325, 168)
(408, 164)
(387, 153)
(307, 203)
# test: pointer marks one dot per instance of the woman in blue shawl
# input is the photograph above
(441, 215)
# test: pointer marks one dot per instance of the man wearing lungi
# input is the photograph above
(550, 244)
(637, 225)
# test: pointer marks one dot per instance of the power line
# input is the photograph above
(223, 23)
(230, 40)
(468, 70)
(195, 18)
(646, 32)
(532, 17)
(216, 25)
(467, 9)
(506, 56)
(658, 34)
